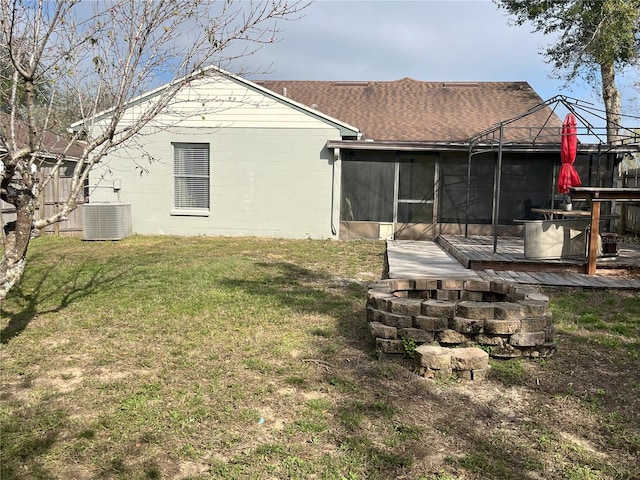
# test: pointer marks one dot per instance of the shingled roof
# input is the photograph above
(51, 144)
(414, 111)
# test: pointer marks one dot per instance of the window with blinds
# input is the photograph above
(191, 176)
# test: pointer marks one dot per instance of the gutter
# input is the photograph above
(584, 148)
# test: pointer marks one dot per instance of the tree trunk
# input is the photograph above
(16, 241)
(612, 108)
(611, 98)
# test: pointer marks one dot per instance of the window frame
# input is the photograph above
(196, 210)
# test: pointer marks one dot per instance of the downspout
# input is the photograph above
(336, 157)
(396, 190)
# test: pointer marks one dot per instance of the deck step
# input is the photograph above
(508, 263)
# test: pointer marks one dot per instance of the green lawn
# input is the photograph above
(165, 357)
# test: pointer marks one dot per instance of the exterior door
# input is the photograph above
(414, 213)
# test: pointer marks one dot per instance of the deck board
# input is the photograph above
(509, 263)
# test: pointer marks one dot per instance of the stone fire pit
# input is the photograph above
(452, 327)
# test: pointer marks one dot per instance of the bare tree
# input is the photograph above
(96, 54)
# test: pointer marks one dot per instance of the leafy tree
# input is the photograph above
(41, 92)
(59, 109)
(597, 38)
(90, 55)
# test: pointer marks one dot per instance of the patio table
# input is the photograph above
(595, 196)
(549, 213)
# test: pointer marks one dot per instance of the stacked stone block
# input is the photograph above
(477, 318)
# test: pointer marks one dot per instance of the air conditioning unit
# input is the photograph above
(106, 221)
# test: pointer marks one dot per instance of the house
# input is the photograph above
(447, 157)
(228, 157)
(298, 159)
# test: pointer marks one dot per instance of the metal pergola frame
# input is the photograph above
(492, 140)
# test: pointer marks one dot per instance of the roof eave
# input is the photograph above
(444, 146)
(346, 130)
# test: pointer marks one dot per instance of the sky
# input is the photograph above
(428, 40)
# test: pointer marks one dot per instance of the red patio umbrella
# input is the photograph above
(568, 176)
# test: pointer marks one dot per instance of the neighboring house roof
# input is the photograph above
(51, 144)
(414, 111)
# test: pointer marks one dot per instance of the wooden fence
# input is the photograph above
(630, 211)
(51, 197)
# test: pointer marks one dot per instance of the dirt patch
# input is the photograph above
(627, 273)
(217, 364)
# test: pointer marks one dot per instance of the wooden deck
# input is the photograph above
(508, 263)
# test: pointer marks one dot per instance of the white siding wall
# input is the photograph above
(270, 182)
(271, 174)
(221, 102)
